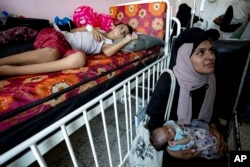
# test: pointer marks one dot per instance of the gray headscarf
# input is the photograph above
(190, 80)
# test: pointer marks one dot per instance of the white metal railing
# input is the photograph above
(137, 87)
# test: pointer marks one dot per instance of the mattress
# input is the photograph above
(31, 102)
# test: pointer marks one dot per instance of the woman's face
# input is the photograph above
(203, 58)
(120, 31)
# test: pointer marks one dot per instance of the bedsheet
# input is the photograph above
(24, 97)
(30, 103)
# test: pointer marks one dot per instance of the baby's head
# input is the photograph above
(161, 135)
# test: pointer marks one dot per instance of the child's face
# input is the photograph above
(169, 132)
(162, 135)
(120, 30)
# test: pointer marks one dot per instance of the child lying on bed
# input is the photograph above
(59, 50)
(180, 137)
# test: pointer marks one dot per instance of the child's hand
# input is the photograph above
(171, 143)
(131, 37)
(134, 36)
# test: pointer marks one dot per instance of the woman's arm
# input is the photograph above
(184, 154)
(111, 49)
(157, 105)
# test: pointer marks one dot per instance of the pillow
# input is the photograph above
(238, 32)
(85, 15)
(105, 21)
(143, 42)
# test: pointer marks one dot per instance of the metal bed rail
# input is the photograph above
(134, 91)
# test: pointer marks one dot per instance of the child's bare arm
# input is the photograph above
(114, 48)
(185, 140)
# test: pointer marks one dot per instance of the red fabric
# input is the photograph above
(16, 92)
(49, 37)
(17, 35)
(85, 15)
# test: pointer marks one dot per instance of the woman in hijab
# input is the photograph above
(194, 94)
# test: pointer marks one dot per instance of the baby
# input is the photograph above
(179, 137)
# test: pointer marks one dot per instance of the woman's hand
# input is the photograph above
(221, 143)
(184, 154)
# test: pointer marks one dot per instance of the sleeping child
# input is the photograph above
(179, 137)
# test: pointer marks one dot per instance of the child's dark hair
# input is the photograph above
(130, 28)
(155, 141)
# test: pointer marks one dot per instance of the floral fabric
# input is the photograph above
(22, 91)
(18, 92)
(146, 18)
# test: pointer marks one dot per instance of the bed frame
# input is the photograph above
(132, 93)
(126, 92)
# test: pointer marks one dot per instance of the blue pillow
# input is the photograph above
(142, 43)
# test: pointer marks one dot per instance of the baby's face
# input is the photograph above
(162, 135)
(169, 132)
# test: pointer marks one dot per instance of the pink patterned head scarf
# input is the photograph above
(190, 80)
